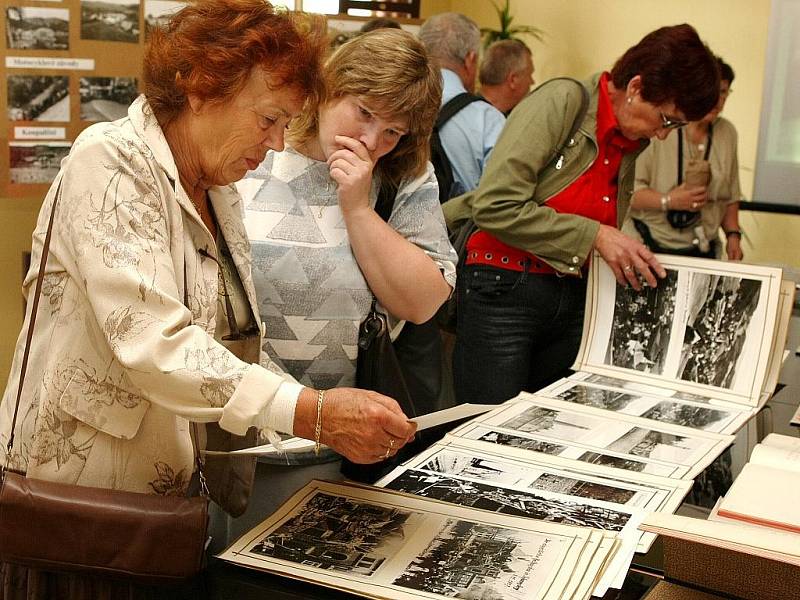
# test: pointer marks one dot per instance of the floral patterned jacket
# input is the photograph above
(119, 365)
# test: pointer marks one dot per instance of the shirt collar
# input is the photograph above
(608, 131)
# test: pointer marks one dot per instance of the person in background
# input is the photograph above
(379, 23)
(663, 186)
(453, 42)
(321, 251)
(545, 202)
(148, 320)
(506, 74)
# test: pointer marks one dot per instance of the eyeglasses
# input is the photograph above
(670, 123)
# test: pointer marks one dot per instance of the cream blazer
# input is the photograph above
(118, 364)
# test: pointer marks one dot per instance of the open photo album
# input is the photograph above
(545, 495)
(711, 330)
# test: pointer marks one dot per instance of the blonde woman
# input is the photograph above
(321, 252)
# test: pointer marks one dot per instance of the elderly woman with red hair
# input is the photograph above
(149, 320)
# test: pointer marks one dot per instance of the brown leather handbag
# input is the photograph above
(109, 533)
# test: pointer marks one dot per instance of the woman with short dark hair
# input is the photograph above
(545, 202)
(687, 187)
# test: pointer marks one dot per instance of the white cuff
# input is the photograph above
(253, 396)
(280, 416)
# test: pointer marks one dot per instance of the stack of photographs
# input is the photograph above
(387, 545)
(542, 487)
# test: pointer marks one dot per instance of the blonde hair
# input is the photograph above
(391, 71)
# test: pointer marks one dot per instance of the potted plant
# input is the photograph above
(508, 31)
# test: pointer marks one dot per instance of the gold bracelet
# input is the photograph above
(318, 426)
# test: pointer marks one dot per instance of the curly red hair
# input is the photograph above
(210, 47)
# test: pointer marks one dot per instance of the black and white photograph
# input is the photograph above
(582, 488)
(35, 162)
(597, 397)
(458, 464)
(106, 98)
(688, 415)
(38, 98)
(719, 312)
(536, 419)
(514, 441)
(640, 331)
(649, 443)
(598, 458)
(336, 533)
(158, 12)
(666, 410)
(472, 560)
(507, 501)
(33, 28)
(110, 20)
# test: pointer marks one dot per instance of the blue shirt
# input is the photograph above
(469, 136)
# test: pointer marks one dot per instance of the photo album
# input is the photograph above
(545, 495)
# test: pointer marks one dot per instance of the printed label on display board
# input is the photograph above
(39, 133)
(42, 62)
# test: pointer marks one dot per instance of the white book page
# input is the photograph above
(711, 415)
(517, 441)
(558, 422)
(778, 351)
(388, 545)
(450, 474)
(765, 496)
(783, 456)
(707, 328)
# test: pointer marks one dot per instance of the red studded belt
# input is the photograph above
(485, 249)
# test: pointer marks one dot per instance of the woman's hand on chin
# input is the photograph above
(351, 168)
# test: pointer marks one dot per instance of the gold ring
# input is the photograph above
(627, 268)
(391, 443)
(385, 456)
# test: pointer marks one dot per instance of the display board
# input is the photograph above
(67, 64)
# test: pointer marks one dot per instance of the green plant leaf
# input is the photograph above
(506, 31)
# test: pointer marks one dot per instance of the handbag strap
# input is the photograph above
(34, 309)
(37, 293)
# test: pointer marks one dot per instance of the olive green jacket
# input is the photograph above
(524, 171)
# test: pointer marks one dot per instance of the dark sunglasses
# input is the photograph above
(670, 123)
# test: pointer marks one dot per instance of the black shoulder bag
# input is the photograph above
(377, 366)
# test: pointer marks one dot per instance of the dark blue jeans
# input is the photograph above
(516, 331)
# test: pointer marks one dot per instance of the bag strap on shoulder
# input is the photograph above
(576, 124)
(34, 309)
(454, 105)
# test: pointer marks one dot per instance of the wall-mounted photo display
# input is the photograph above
(38, 98)
(110, 20)
(31, 28)
(35, 162)
(106, 98)
(158, 12)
